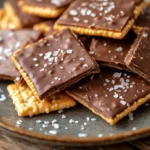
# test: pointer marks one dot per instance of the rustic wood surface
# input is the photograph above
(10, 143)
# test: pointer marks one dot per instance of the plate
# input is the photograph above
(76, 126)
(73, 127)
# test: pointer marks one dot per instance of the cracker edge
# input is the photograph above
(105, 33)
(41, 11)
(23, 113)
(118, 116)
(42, 27)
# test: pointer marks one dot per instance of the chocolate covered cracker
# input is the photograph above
(112, 94)
(138, 58)
(44, 8)
(108, 18)
(20, 19)
(143, 20)
(112, 52)
(54, 63)
(10, 41)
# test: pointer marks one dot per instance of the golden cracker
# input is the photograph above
(27, 104)
(41, 11)
(105, 33)
(24, 74)
(42, 27)
(137, 29)
(12, 16)
(118, 116)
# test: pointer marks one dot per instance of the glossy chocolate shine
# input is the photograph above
(144, 18)
(111, 52)
(25, 19)
(10, 41)
(99, 14)
(138, 58)
(111, 92)
(56, 63)
(48, 3)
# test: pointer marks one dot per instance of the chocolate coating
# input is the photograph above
(99, 14)
(56, 62)
(54, 4)
(112, 52)
(26, 20)
(144, 18)
(111, 92)
(138, 58)
(10, 41)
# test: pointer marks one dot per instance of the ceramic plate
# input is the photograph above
(75, 126)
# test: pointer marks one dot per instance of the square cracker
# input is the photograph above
(19, 18)
(44, 8)
(108, 18)
(112, 94)
(27, 104)
(54, 63)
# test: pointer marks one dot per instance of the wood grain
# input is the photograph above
(11, 143)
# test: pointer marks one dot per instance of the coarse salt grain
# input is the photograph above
(53, 132)
(38, 121)
(82, 134)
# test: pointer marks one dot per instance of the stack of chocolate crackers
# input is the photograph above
(95, 52)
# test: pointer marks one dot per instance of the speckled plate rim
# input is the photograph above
(85, 141)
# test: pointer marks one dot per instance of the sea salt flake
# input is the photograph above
(134, 128)
(54, 121)
(116, 95)
(63, 116)
(2, 97)
(123, 102)
(47, 55)
(46, 122)
(82, 59)
(91, 52)
(73, 12)
(69, 51)
(85, 65)
(41, 70)
(38, 121)
(145, 35)
(56, 126)
(60, 111)
(82, 134)
(41, 54)
(36, 65)
(53, 132)
(35, 59)
(119, 49)
(117, 74)
(100, 135)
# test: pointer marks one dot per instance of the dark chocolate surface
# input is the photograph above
(10, 41)
(138, 58)
(56, 63)
(144, 18)
(26, 20)
(111, 92)
(111, 52)
(99, 14)
(54, 4)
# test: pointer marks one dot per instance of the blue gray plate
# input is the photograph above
(75, 126)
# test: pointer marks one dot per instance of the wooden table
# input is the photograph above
(8, 143)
